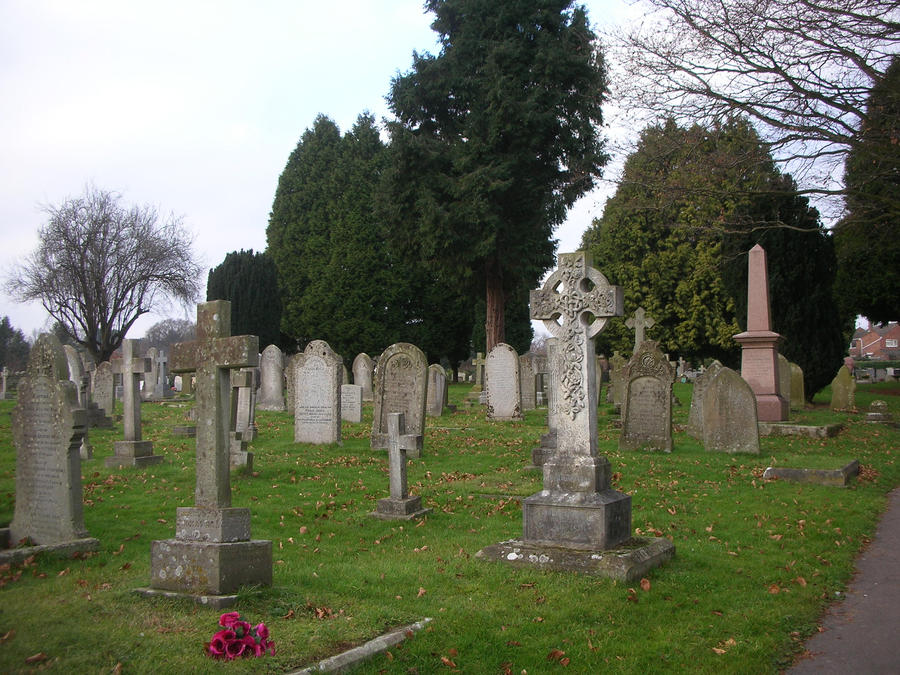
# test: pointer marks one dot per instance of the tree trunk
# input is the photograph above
(495, 302)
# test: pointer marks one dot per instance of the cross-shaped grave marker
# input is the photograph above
(132, 451)
(161, 388)
(399, 506)
(639, 323)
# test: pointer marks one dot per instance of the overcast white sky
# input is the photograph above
(192, 106)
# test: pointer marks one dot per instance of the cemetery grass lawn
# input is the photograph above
(756, 562)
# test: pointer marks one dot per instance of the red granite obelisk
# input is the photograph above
(759, 356)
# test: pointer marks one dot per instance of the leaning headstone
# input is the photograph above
(759, 363)
(212, 554)
(578, 520)
(271, 379)
(363, 368)
(132, 451)
(152, 375)
(351, 403)
(318, 373)
(730, 423)
(399, 506)
(639, 323)
(798, 388)
(695, 416)
(784, 378)
(47, 426)
(647, 410)
(102, 388)
(504, 392)
(437, 390)
(843, 390)
(401, 383)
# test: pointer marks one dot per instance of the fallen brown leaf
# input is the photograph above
(645, 584)
(36, 658)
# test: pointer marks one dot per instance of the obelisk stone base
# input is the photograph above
(133, 453)
(592, 521)
(400, 509)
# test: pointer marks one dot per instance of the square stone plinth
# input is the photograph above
(628, 561)
(194, 523)
(400, 509)
(133, 453)
(208, 568)
(593, 521)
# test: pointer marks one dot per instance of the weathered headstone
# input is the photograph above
(578, 513)
(647, 407)
(843, 390)
(479, 363)
(504, 393)
(879, 413)
(784, 378)
(132, 451)
(317, 409)
(212, 554)
(542, 453)
(798, 388)
(639, 323)
(527, 375)
(3, 375)
(759, 363)
(730, 423)
(437, 390)
(151, 376)
(47, 427)
(351, 403)
(76, 373)
(102, 388)
(271, 379)
(695, 416)
(243, 418)
(363, 368)
(401, 382)
(616, 393)
(399, 506)
(290, 384)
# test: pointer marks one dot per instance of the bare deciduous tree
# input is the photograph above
(801, 70)
(100, 265)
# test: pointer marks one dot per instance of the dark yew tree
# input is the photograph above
(14, 347)
(250, 281)
(494, 139)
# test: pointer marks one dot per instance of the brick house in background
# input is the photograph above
(878, 343)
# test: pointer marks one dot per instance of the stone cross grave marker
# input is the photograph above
(401, 384)
(47, 426)
(639, 323)
(161, 390)
(212, 554)
(317, 409)
(132, 451)
(578, 514)
(399, 506)
(363, 367)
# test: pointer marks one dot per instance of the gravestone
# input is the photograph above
(401, 382)
(695, 416)
(436, 395)
(132, 451)
(399, 506)
(351, 403)
(102, 388)
(271, 379)
(843, 390)
(504, 393)
(212, 554)
(639, 323)
(798, 388)
(47, 428)
(479, 362)
(290, 384)
(76, 373)
(647, 407)
(242, 429)
(151, 376)
(162, 391)
(3, 375)
(578, 520)
(616, 393)
(363, 368)
(784, 378)
(527, 379)
(318, 373)
(759, 361)
(730, 423)
(542, 453)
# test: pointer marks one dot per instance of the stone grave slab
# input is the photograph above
(839, 477)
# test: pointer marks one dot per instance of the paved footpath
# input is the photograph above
(862, 633)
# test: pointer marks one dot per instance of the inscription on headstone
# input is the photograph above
(317, 410)
(401, 382)
(504, 393)
(647, 410)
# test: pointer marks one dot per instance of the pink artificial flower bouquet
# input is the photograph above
(237, 638)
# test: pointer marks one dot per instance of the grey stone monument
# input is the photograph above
(695, 416)
(399, 506)
(161, 390)
(639, 323)
(318, 374)
(212, 554)
(647, 408)
(271, 379)
(577, 521)
(132, 451)
(784, 379)
(243, 424)
(351, 403)
(616, 391)
(527, 380)
(363, 369)
(798, 388)
(730, 423)
(290, 385)
(504, 389)
(151, 376)
(478, 362)
(102, 388)
(3, 374)
(436, 395)
(541, 454)
(401, 383)
(843, 390)
(47, 427)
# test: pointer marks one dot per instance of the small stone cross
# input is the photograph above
(132, 368)
(398, 443)
(639, 323)
(212, 355)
